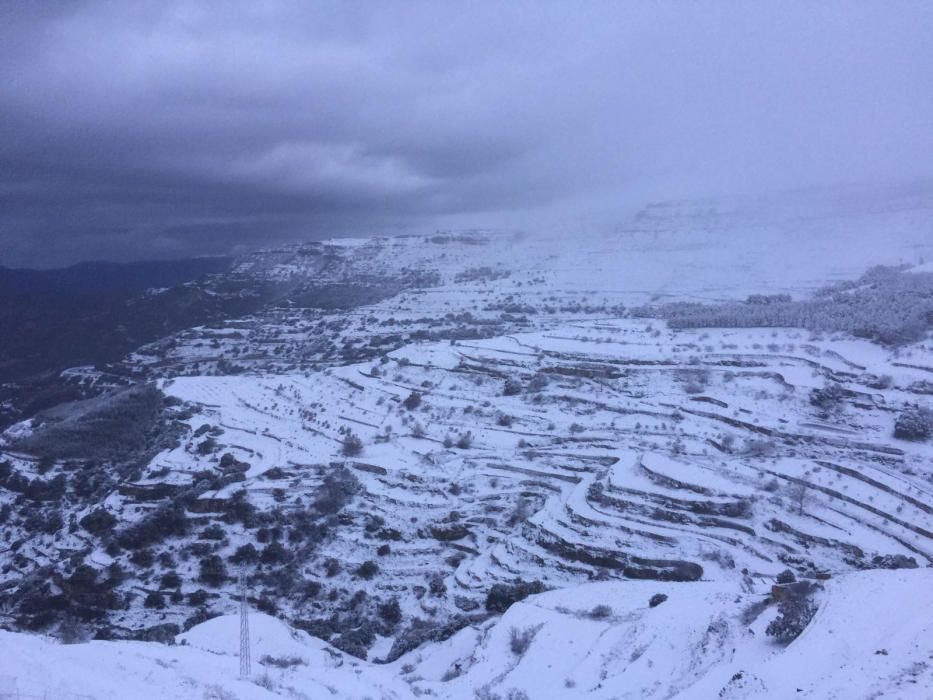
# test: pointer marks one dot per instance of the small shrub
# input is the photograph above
(656, 600)
(601, 612)
(367, 570)
(760, 448)
(282, 661)
(914, 423)
(512, 387)
(212, 532)
(391, 612)
(245, 554)
(827, 398)
(520, 640)
(352, 445)
(412, 401)
(154, 601)
(332, 567)
(213, 571)
(198, 597)
(170, 580)
(265, 681)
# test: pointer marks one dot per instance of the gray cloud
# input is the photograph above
(139, 129)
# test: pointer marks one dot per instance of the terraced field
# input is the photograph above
(419, 433)
(595, 451)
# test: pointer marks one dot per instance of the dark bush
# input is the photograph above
(239, 509)
(512, 387)
(413, 401)
(601, 612)
(212, 532)
(352, 445)
(245, 554)
(914, 423)
(332, 567)
(143, 558)
(167, 521)
(337, 489)
(391, 612)
(170, 580)
(273, 553)
(367, 570)
(356, 642)
(656, 600)
(828, 397)
(436, 585)
(282, 661)
(795, 610)
(213, 571)
(154, 600)
(198, 597)
(520, 640)
(98, 521)
(502, 595)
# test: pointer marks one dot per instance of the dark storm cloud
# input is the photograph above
(134, 129)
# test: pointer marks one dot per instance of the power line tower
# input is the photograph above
(244, 630)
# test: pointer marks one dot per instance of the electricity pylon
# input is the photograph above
(244, 630)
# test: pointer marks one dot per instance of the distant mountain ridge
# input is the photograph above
(102, 278)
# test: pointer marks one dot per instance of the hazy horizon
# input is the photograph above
(159, 130)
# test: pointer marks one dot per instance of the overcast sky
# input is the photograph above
(134, 130)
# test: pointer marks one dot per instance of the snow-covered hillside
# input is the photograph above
(870, 639)
(461, 465)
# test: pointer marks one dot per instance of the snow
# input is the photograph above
(870, 638)
(614, 461)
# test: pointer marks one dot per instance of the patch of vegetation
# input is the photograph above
(412, 401)
(520, 640)
(796, 608)
(125, 425)
(887, 305)
(352, 445)
(914, 423)
(503, 595)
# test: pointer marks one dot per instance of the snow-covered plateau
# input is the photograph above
(492, 465)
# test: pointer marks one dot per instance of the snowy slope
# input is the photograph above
(871, 639)
(517, 423)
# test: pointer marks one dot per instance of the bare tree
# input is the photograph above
(799, 493)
